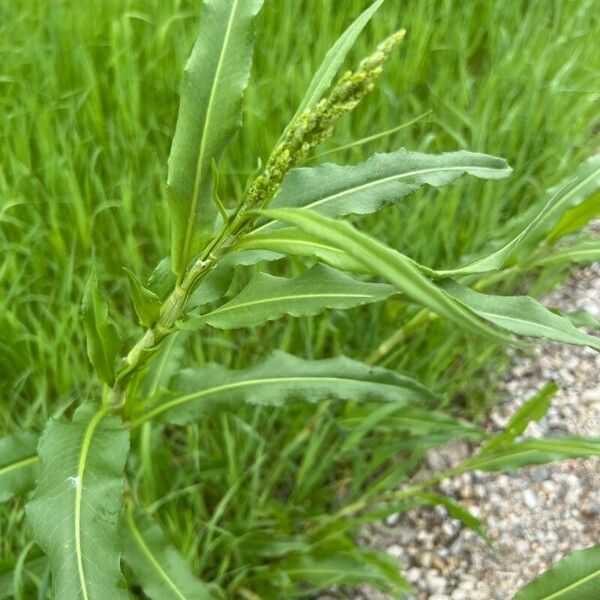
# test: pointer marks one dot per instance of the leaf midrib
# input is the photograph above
(85, 447)
(573, 585)
(220, 311)
(229, 386)
(376, 182)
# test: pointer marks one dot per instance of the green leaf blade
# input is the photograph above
(18, 462)
(574, 577)
(146, 303)
(521, 315)
(215, 78)
(280, 379)
(380, 181)
(74, 512)
(162, 573)
(102, 338)
(267, 297)
(385, 262)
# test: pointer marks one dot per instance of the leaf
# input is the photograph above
(281, 379)
(584, 182)
(146, 303)
(74, 513)
(521, 315)
(415, 421)
(330, 568)
(584, 252)
(333, 61)
(533, 410)
(380, 181)
(102, 338)
(575, 218)
(18, 462)
(159, 569)
(533, 452)
(396, 268)
(267, 297)
(290, 241)
(574, 577)
(162, 281)
(214, 81)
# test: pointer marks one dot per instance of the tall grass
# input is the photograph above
(88, 97)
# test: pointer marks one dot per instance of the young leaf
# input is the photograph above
(380, 181)
(18, 462)
(74, 512)
(532, 410)
(521, 315)
(146, 303)
(281, 379)
(333, 60)
(584, 183)
(396, 268)
(215, 78)
(102, 338)
(162, 573)
(162, 280)
(267, 297)
(574, 577)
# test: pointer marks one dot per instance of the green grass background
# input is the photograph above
(88, 103)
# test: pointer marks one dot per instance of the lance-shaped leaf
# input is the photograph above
(159, 569)
(267, 297)
(74, 513)
(333, 60)
(380, 181)
(215, 77)
(102, 338)
(584, 183)
(290, 241)
(393, 266)
(574, 577)
(279, 380)
(18, 461)
(533, 452)
(521, 315)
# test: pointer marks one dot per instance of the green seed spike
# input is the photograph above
(315, 125)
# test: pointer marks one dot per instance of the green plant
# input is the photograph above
(82, 459)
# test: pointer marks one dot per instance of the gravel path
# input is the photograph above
(534, 516)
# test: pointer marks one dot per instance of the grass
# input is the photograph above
(88, 100)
